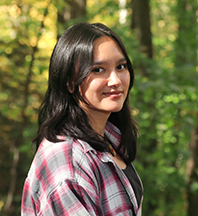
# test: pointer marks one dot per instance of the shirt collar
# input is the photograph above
(113, 133)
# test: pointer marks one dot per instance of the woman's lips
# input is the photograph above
(114, 94)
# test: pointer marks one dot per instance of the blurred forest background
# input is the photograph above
(161, 39)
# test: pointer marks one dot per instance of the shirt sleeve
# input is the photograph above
(68, 199)
(28, 207)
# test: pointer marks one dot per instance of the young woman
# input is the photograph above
(86, 139)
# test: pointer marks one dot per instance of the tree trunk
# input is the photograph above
(141, 24)
(71, 10)
(184, 60)
(192, 166)
(13, 173)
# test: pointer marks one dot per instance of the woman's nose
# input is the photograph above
(114, 79)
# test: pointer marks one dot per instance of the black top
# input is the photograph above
(135, 182)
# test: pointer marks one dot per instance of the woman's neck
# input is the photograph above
(98, 123)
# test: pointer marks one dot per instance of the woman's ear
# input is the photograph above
(70, 87)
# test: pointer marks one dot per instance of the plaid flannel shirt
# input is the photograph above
(71, 178)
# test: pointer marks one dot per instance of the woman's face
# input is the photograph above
(106, 86)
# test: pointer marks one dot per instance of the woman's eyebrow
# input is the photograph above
(98, 62)
(122, 60)
(104, 62)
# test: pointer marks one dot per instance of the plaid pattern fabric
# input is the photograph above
(71, 178)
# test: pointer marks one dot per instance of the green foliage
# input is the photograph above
(164, 103)
(166, 110)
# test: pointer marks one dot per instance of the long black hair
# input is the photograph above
(60, 112)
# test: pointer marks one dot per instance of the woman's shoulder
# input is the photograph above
(55, 155)
(55, 162)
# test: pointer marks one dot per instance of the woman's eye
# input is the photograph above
(97, 70)
(121, 66)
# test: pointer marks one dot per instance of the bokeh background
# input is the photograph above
(161, 39)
